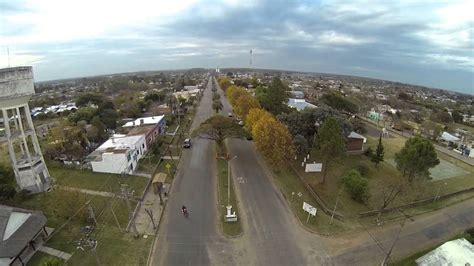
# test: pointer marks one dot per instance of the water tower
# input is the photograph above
(17, 129)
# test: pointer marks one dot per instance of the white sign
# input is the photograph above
(313, 167)
(310, 209)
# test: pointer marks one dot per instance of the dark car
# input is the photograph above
(187, 144)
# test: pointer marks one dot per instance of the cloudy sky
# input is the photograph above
(422, 42)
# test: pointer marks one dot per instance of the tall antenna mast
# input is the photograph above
(8, 56)
(250, 56)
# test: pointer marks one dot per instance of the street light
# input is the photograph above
(439, 190)
(228, 180)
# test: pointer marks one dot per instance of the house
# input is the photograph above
(297, 94)
(449, 139)
(152, 127)
(186, 94)
(299, 104)
(19, 229)
(355, 143)
(191, 88)
(118, 155)
(455, 252)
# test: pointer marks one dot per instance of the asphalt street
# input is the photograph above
(189, 241)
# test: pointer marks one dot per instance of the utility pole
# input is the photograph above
(113, 214)
(387, 258)
(228, 180)
(335, 206)
(126, 194)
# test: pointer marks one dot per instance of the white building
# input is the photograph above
(455, 252)
(299, 104)
(191, 88)
(186, 94)
(119, 154)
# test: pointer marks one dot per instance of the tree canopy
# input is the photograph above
(253, 116)
(273, 140)
(416, 158)
(339, 102)
(274, 97)
(330, 142)
(219, 128)
(244, 103)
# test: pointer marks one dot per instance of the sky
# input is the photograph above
(428, 43)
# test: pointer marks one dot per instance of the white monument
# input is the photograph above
(16, 89)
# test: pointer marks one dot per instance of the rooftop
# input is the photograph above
(151, 120)
(299, 104)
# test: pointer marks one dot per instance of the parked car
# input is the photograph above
(241, 123)
(187, 144)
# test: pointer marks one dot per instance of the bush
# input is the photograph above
(363, 169)
(357, 186)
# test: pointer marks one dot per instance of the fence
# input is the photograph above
(416, 203)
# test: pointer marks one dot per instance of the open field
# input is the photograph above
(115, 246)
(461, 176)
(87, 179)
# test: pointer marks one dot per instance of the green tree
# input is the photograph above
(377, 157)
(357, 186)
(89, 98)
(339, 102)
(224, 83)
(219, 128)
(273, 98)
(97, 123)
(217, 105)
(457, 116)
(416, 158)
(330, 142)
(301, 144)
(7, 183)
(82, 114)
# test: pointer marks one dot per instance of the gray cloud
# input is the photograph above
(385, 42)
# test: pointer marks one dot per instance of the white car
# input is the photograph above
(230, 114)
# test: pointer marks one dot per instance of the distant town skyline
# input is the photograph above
(429, 43)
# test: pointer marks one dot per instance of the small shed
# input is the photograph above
(158, 182)
(355, 142)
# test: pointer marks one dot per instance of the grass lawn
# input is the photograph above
(115, 246)
(377, 177)
(289, 182)
(148, 164)
(410, 261)
(41, 258)
(87, 179)
(229, 229)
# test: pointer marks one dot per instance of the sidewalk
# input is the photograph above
(87, 191)
(56, 253)
(151, 201)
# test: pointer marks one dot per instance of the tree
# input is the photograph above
(97, 123)
(357, 186)
(109, 117)
(431, 129)
(82, 114)
(339, 102)
(273, 98)
(244, 103)
(389, 191)
(301, 144)
(7, 183)
(219, 128)
(331, 143)
(377, 157)
(216, 96)
(416, 158)
(224, 83)
(89, 98)
(442, 117)
(457, 116)
(217, 105)
(253, 116)
(233, 93)
(273, 140)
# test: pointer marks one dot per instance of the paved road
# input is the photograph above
(192, 241)
(271, 233)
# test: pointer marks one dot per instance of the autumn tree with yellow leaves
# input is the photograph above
(244, 103)
(273, 140)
